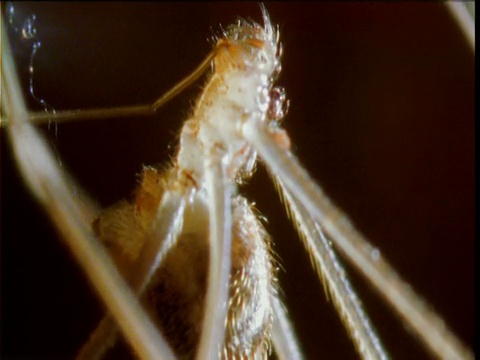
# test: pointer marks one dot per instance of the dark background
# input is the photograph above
(382, 115)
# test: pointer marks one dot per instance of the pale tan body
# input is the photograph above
(176, 295)
(20, 133)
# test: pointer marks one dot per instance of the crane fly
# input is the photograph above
(272, 220)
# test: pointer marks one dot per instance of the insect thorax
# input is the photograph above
(239, 89)
(246, 63)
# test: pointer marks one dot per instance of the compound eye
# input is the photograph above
(278, 106)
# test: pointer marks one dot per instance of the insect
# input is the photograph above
(315, 92)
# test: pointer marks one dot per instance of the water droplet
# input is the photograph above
(375, 254)
(10, 12)
(29, 31)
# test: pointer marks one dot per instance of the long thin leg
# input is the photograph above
(100, 341)
(283, 337)
(120, 111)
(463, 13)
(47, 183)
(430, 328)
(165, 232)
(220, 213)
(335, 280)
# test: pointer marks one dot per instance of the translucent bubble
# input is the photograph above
(375, 254)
(29, 30)
(10, 12)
